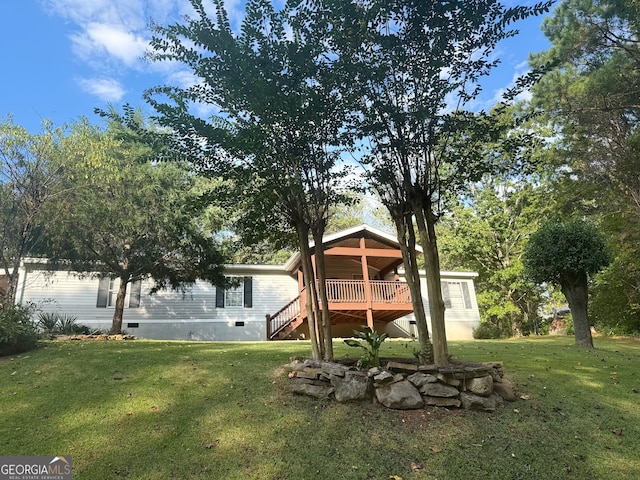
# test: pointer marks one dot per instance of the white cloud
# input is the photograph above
(110, 40)
(130, 14)
(107, 89)
(111, 36)
(182, 79)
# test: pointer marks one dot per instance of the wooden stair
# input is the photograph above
(284, 321)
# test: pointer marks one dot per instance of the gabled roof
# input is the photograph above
(378, 237)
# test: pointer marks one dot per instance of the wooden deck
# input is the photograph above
(349, 301)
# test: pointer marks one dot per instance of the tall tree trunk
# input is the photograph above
(576, 291)
(309, 281)
(407, 240)
(116, 324)
(13, 275)
(426, 220)
(327, 336)
(313, 289)
(12, 286)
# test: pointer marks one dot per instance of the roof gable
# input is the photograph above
(374, 239)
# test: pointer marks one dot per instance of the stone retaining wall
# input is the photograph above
(405, 386)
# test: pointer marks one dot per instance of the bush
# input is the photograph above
(492, 330)
(485, 331)
(53, 323)
(568, 322)
(68, 324)
(371, 343)
(17, 332)
(48, 323)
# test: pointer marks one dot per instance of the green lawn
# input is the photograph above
(178, 410)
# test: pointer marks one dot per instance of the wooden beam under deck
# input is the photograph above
(358, 252)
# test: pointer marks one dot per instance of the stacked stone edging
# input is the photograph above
(96, 337)
(405, 386)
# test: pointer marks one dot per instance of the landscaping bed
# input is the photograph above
(405, 385)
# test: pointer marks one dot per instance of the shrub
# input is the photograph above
(371, 346)
(568, 322)
(492, 330)
(52, 323)
(485, 331)
(48, 323)
(68, 324)
(17, 332)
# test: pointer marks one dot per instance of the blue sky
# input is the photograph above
(63, 58)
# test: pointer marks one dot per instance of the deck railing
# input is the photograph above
(344, 292)
(390, 292)
(353, 291)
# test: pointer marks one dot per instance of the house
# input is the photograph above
(364, 287)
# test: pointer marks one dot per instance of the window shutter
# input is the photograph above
(465, 295)
(248, 292)
(134, 295)
(445, 295)
(103, 292)
(219, 297)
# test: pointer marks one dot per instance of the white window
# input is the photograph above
(234, 295)
(113, 293)
(108, 293)
(456, 295)
(239, 294)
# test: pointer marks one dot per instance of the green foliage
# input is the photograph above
(53, 323)
(68, 324)
(124, 216)
(281, 133)
(17, 332)
(48, 322)
(490, 330)
(370, 342)
(418, 152)
(590, 96)
(615, 300)
(29, 182)
(486, 232)
(568, 324)
(558, 252)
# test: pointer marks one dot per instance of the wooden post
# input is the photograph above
(367, 283)
(268, 326)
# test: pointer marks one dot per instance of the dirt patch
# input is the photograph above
(423, 418)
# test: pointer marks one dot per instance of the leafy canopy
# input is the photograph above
(559, 252)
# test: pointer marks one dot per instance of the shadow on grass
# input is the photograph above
(157, 410)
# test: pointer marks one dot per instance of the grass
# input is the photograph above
(159, 410)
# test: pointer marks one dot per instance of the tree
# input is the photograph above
(412, 67)
(29, 181)
(486, 232)
(125, 217)
(277, 136)
(567, 255)
(591, 99)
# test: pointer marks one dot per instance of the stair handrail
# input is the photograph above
(283, 317)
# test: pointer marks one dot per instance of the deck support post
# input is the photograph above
(370, 318)
(367, 283)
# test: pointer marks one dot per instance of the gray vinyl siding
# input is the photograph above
(460, 321)
(191, 314)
